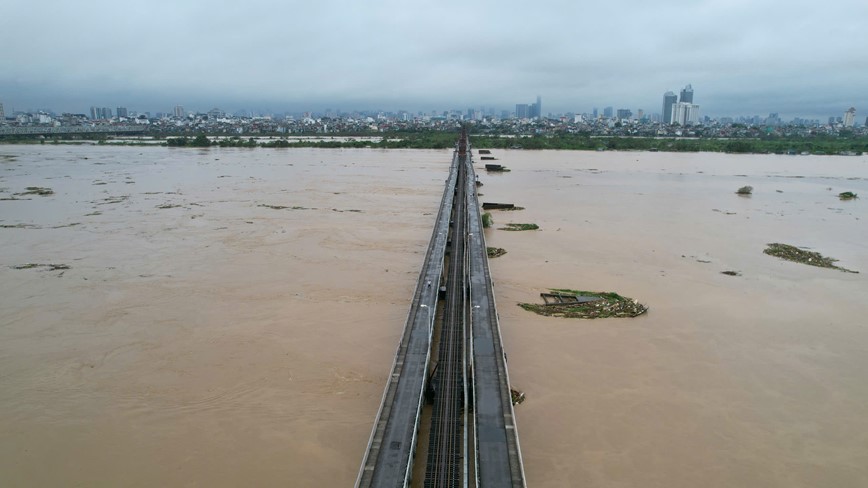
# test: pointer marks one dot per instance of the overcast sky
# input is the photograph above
(795, 57)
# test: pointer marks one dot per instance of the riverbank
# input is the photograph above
(852, 145)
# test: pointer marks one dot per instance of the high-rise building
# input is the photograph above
(521, 111)
(538, 107)
(850, 117)
(687, 94)
(685, 113)
(2, 114)
(122, 112)
(624, 113)
(179, 111)
(100, 113)
(774, 119)
(608, 112)
(669, 99)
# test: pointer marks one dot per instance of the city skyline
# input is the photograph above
(522, 110)
(801, 59)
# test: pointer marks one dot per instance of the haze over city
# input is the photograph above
(799, 58)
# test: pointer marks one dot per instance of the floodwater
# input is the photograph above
(216, 343)
(203, 338)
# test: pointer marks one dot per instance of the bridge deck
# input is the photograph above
(498, 456)
(389, 458)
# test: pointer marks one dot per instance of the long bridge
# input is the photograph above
(450, 364)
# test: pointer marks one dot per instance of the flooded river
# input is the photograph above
(228, 317)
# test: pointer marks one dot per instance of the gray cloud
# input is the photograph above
(742, 57)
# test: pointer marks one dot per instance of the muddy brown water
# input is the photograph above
(219, 342)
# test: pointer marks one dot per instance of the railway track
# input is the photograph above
(445, 454)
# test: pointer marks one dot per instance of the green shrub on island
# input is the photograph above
(847, 195)
(487, 220)
(745, 190)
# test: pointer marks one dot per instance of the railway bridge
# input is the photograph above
(450, 367)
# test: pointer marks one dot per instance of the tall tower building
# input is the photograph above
(122, 112)
(850, 117)
(687, 94)
(2, 114)
(539, 107)
(669, 99)
(179, 111)
(685, 113)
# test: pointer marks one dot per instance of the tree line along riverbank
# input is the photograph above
(823, 145)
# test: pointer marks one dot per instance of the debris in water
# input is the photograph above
(114, 199)
(19, 226)
(585, 305)
(795, 254)
(36, 190)
(518, 227)
(517, 396)
(284, 207)
(49, 267)
(495, 252)
(500, 206)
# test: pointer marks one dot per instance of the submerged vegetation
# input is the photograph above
(587, 305)
(797, 255)
(847, 195)
(519, 227)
